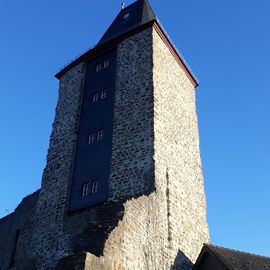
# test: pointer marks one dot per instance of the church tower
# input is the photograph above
(123, 186)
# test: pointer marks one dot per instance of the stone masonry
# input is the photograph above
(166, 228)
(49, 241)
(155, 216)
(16, 229)
(178, 170)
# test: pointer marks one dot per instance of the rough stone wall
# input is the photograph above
(136, 242)
(115, 231)
(49, 243)
(155, 217)
(165, 228)
(57, 234)
(19, 223)
(132, 168)
(121, 234)
(178, 170)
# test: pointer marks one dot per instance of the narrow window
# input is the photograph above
(100, 134)
(98, 67)
(106, 63)
(95, 97)
(85, 189)
(94, 187)
(103, 94)
(91, 138)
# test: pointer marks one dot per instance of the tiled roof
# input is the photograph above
(238, 260)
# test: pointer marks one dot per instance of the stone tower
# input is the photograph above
(123, 185)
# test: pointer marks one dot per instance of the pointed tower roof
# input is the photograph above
(135, 15)
(131, 20)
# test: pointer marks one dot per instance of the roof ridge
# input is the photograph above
(218, 255)
(237, 251)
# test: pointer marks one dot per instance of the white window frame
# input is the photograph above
(103, 94)
(91, 138)
(100, 135)
(95, 97)
(94, 186)
(106, 63)
(85, 189)
(99, 67)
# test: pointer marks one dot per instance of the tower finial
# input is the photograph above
(122, 5)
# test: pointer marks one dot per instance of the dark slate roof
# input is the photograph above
(134, 15)
(238, 260)
(140, 15)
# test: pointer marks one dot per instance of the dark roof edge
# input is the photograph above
(100, 49)
(106, 46)
(176, 53)
(208, 247)
(237, 251)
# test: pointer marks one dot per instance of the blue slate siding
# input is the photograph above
(92, 161)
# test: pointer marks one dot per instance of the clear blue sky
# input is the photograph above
(227, 45)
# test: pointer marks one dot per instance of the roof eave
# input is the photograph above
(221, 260)
(207, 249)
(179, 58)
(108, 45)
(102, 48)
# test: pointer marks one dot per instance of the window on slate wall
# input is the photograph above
(103, 65)
(91, 138)
(95, 97)
(85, 189)
(94, 187)
(103, 94)
(106, 64)
(99, 67)
(100, 135)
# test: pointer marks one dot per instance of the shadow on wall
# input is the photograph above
(101, 221)
(181, 262)
(76, 261)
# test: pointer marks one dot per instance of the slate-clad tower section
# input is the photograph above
(90, 181)
(93, 154)
(123, 185)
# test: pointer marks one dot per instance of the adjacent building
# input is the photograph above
(218, 258)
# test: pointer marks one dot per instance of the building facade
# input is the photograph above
(123, 186)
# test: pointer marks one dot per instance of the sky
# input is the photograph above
(226, 43)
